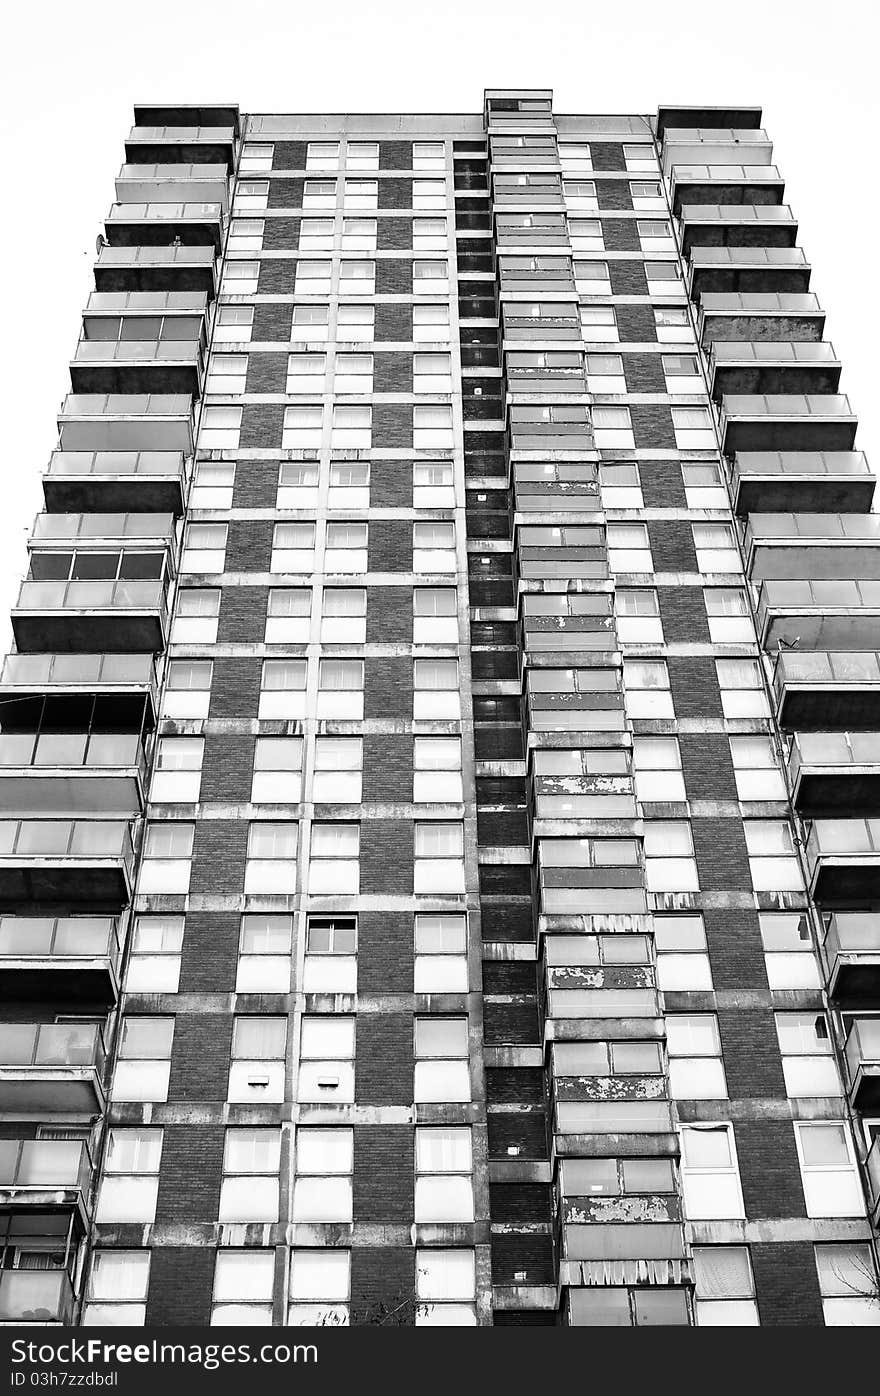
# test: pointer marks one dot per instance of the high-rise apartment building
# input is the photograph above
(440, 840)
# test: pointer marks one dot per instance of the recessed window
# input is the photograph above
(360, 195)
(251, 196)
(682, 958)
(293, 547)
(154, 958)
(319, 195)
(807, 1055)
(187, 687)
(441, 953)
(338, 764)
(439, 858)
(322, 155)
(227, 376)
(445, 1288)
(177, 774)
(444, 1163)
(271, 857)
(220, 427)
(436, 692)
(246, 235)
(646, 682)
(435, 616)
(212, 485)
(657, 767)
(725, 1287)
(828, 1169)
(330, 965)
(204, 548)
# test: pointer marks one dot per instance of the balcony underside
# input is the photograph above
(808, 433)
(855, 978)
(92, 632)
(839, 879)
(136, 377)
(150, 232)
(835, 707)
(844, 790)
(172, 276)
(61, 979)
(51, 1090)
(30, 790)
(749, 378)
(100, 883)
(113, 494)
(865, 1089)
(811, 494)
(760, 278)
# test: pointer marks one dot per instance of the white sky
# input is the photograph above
(71, 72)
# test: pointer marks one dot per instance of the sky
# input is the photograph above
(70, 74)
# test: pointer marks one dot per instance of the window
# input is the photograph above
(640, 159)
(637, 615)
(187, 688)
(664, 278)
(310, 323)
(436, 689)
(334, 859)
(288, 617)
(657, 767)
(694, 1046)
(429, 234)
(305, 374)
(358, 234)
(599, 324)
(601, 1306)
(709, 1173)
(432, 373)
(326, 1059)
(742, 688)
(848, 1285)
(647, 197)
(428, 194)
(428, 155)
(445, 1288)
(320, 1282)
(444, 1163)
(439, 858)
(330, 962)
(241, 278)
(360, 195)
(592, 279)
(682, 375)
(322, 1190)
(362, 155)
(178, 770)
(232, 325)
(337, 777)
(354, 323)
(243, 1285)
(143, 1065)
(251, 196)
(246, 235)
(772, 862)
(758, 776)
(357, 278)
(669, 857)
(580, 194)
(340, 689)
(575, 156)
(154, 959)
(219, 429)
(432, 428)
(442, 1072)
(277, 771)
(271, 858)
(316, 235)
(807, 1056)
(433, 547)
(117, 1289)
(165, 866)
(346, 547)
(725, 1287)
(437, 770)
(297, 485)
(433, 485)
(435, 616)
(629, 548)
(283, 688)
(256, 1071)
(682, 958)
(212, 484)
(130, 1184)
(343, 616)
(693, 429)
(322, 155)
(646, 682)
(204, 548)
(227, 375)
(353, 374)
(673, 325)
(319, 195)
(788, 950)
(716, 547)
(293, 547)
(655, 235)
(251, 1163)
(303, 428)
(828, 1170)
(704, 487)
(430, 277)
(264, 955)
(612, 428)
(620, 486)
(441, 953)
(349, 485)
(605, 373)
(430, 324)
(727, 610)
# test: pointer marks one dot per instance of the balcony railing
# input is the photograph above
(144, 223)
(72, 958)
(768, 315)
(816, 545)
(72, 773)
(862, 1053)
(787, 421)
(772, 367)
(51, 1067)
(50, 528)
(173, 183)
(835, 772)
(843, 856)
(713, 145)
(90, 615)
(827, 689)
(725, 184)
(110, 480)
(747, 269)
(873, 1168)
(191, 144)
(36, 1296)
(827, 614)
(163, 268)
(782, 481)
(53, 860)
(126, 422)
(38, 1166)
(36, 675)
(852, 953)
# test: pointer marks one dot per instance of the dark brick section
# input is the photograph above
(395, 193)
(383, 1182)
(242, 615)
(227, 767)
(388, 769)
(393, 372)
(383, 1286)
(635, 324)
(752, 1061)
(394, 277)
(694, 684)
(672, 545)
(652, 425)
(219, 855)
(200, 1057)
(613, 193)
(643, 373)
(392, 425)
(707, 766)
(285, 193)
(391, 484)
(395, 155)
(277, 275)
(385, 952)
(628, 279)
(683, 613)
(514, 1085)
(281, 235)
(524, 1131)
(289, 155)
(256, 484)
(181, 1285)
(768, 1169)
(387, 857)
(384, 1060)
(235, 689)
(210, 952)
(662, 484)
(620, 235)
(526, 1260)
(393, 323)
(191, 1173)
(787, 1284)
(390, 547)
(512, 921)
(394, 234)
(510, 1023)
(736, 952)
(266, 373)
(501, 828)
(262, 426)
(722, 859)
(520, 1202)
(607, 155)
(272, 322)
(388, 688)
(249, 548)
(389, 622)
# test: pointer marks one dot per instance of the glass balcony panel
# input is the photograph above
(35, 1296)
(51, 1163)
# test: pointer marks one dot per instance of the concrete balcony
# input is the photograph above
(736, 366)
(127, 684)
(672, 119)
(818, 690)
(852, 954)
(126, 422)
(559, 427)
(817, 546)
(111, 481)
(531, 230)
(151, 269)
(173, 184)
(557, 320)
(49, 1068)
(747, 269)
(45, 1175)
(188, 114)
(835, 772)
(523, 383)
(188, 145)
(735, 315)
(873, 1168)
(715, 145)
(72, 773)
(159, 224)
(819, 615)
(737, 225)
(862, 1053)
(787, 421)
(74, 959)
(843, 860)
(541, 274)
(43, 1297)
(138, 366)
(113, 616)
(725, 184)
(540, 191)
(574, 550)
(785, 481)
